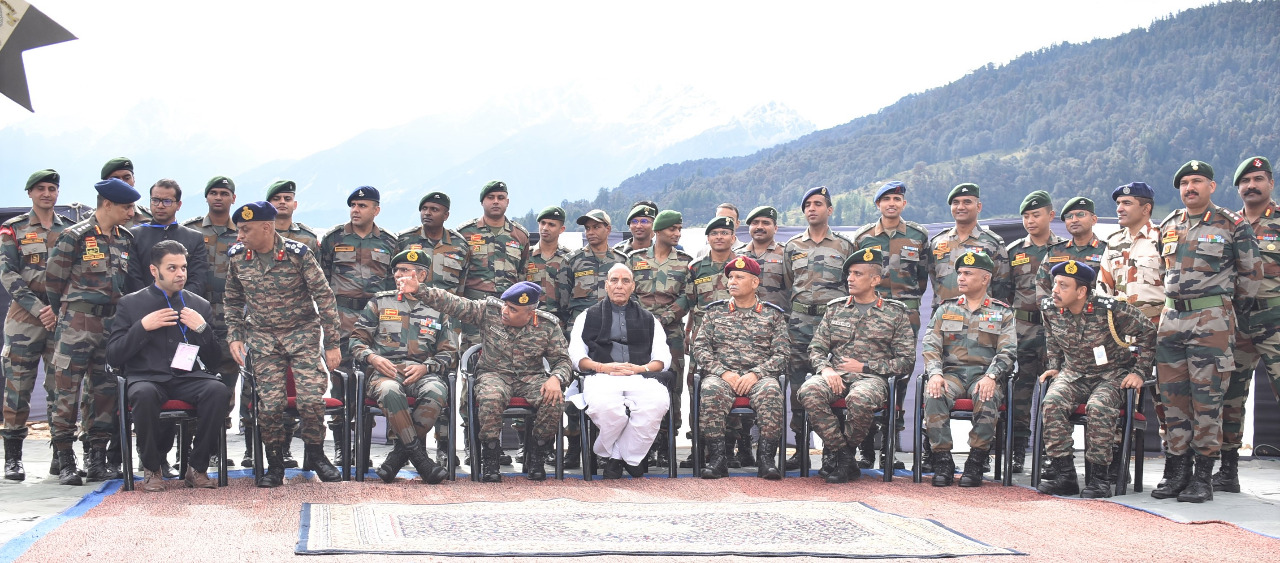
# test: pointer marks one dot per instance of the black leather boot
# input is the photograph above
(974, 468)
(1019, 458)
(13, 469)
(944, 469)
(926, 458)
(313, 459)
(427, 469)
(745, 459)
(717, 465)
(393, 464)
(1047, 472)
(1200, 487)
(768, 455)
(868, 449)
(341, 449)
(1177, 470)
(444, 449)
(573, 455)
(490, 462)
(67, 473)
(846, 466)
(289, 462)
(1065, 480)
(247, 460)
(1226, 480)
(536, 467)
(802, 448)
(1100, 482)
(829, 456)
(274, 474)
(95, 467)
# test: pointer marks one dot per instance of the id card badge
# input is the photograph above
(1100, 355)
(185, 357)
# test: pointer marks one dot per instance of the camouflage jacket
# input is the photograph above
(404, 330)
(1074, 340)
(357, 268)
(141, 214)
(773, 276)
(553, 275)
(945, 248)
(499, 257)
(815, 270)
(217, 241)
(87, 265)
(1090, 254)
(627, 248)
(660, 287)
(1130, 269)
(450, 257)
(1214, 253)
(1025, 258)
(1267, 231)
(587, 272)
(274, 292)
(904, 251)
(706, 284)
(969, 344)
(303, 234)
(24, 253)
(742, 340)
(514, 351)
(881, 338)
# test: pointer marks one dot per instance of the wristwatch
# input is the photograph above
(993, 377)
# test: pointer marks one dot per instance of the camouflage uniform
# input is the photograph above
(904, 250)
(84, 279)
(303, 234)
(626, 247)
(741, 340)
(878, 334)
(24, 252)
(1072, 340)
(1259, 336)
(944, 248)
(586, 273)
(1206, 259)
(407, 332)
(511, 364)
(269, 307)
(218, 240)
(962, 347)
(1025, 260)
(773, 280)
(552, 275)
(499, 258)
(815, 273)
(450, 257)
(1064, 250)
(661, 290)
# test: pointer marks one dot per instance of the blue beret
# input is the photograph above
(1083, 274)
(523, 293)
(820, 190)
(1135, 189)
(117, 191)
(364, 192)
(256, 211)
(894, 187)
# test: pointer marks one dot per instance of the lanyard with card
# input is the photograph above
(185, 357)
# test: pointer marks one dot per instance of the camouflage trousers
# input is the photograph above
(715, 399)
(273, 355)
(26, 343)
(1104, 403)
(81, 351)
(800, 329)
(494, 391)
(407, 424)
(864, 394)
(937, 413)
(1260, 340)
(675, 341)
(1031, 364)
(1193, 365)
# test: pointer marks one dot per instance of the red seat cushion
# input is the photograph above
(839, 404)
(1139, 417)
(176, 405)
(967, 405)
(1081, 410)
(741, 403)
(372, 403)
(519, 403)
(289, 388)
(328, 403)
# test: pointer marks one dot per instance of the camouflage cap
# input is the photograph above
(118, 163)
(1083, 274)
(282, 186)
(434, 197)
(978, 260)
(47, 175)
(255, 211)
(116, 190)
(553, 212)
(415, 257)
(597, 215)
(1075, 204)
(1038, 199)
(667, 218)
(523, 293)
(220, 182)
(493, 186)
(765, 211)
(1193, 168)
(642, 211)
(1252, 164)
(742, 264)
(867, 255)
(720, 223)
(967, 188)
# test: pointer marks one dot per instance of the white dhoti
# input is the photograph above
(622, 436)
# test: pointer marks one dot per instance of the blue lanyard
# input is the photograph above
(182, 300)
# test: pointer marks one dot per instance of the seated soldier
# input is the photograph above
(406, 345)
(161, 343)
(1088, 363)
(624, 350)
(516, 337)
(861, 341)
(969, 350)
(741, 349)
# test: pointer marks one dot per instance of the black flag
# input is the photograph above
(23, 27)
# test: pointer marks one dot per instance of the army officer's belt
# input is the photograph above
(1028, 316)
(815, 310)
(352, 303)
(1264, 304)
(91, 309)
(1188, 305)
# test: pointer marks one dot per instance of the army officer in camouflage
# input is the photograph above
(862, 340)
(407, 349)
(946, 247)
(969, 350)
(902, 242)
(271, 286)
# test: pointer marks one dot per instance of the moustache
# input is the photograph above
(1253, 191)
(1193, 192)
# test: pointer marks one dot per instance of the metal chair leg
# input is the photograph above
(918, 424)
(1037, 433)
(125, 432)
(1122, 480)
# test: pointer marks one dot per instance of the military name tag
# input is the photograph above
(1056, 259)
(1021, 259)
(706, 279)
(344, 248)
(389, 315)
(952, 317)
(93, 255)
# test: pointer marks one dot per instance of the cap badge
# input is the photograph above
(360, 192)
(246, 214)
(524, 298)
(868, 255)
(1071, 268)
(412, 256)
(1125, 190)
(740, 263)
(969, 259)
(1195, 165)
(1257, 163)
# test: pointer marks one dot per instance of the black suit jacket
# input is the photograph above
(145, 356)
(145, 236)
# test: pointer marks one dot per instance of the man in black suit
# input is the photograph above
(161, 342)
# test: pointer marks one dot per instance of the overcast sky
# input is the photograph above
(286, 79)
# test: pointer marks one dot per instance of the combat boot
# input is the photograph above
(95, 467)
(974, 468)
(274, 474)
(289, 462)
(393, 464)
(67, 473)
(944, 469)
(1019, 459)
(247, 460)
(744, 451)
(768, 456)
(1065, 481)
(1177, 470)
(13, 469)
(443, 451)
(113, 461)
(1226, 480)
(829, 456)
(926, 457)
(313, 459)
(868, 448)
(730, 450)
(845, 467)
(717, 464)
(1047, 472)
(342, 449)
(1100, 481)
(802, 449)
(490, 454)
(536, 466)
(1200, 487)
(428, 471)
(572, 455)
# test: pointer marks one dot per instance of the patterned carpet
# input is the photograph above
(569, 528)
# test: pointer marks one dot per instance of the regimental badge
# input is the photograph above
(359, 193)
(412, 256)
(1071, 267)
(35, 258)
(246, 214)
(969, 259)
(868, 255)
(1125, 191)
(740, 263)
(524, 299)
(1257, 163)
(1195, 165)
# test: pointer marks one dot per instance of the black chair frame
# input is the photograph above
(588, 458)
(247, 377)
(1131, 442)
(887, 418)
(1003, 443)
(467, 370)
(696, 412)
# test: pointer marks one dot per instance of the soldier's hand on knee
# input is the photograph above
(934, 387)
(237, 351)
(48, 318)
(1049, 374)
(744, 384)
(383, 365)
(1131, 381)
(414, 373)
(986, 389)
(835, 382)
(332, 358)
(551, 392)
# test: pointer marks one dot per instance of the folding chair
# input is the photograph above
(332, 407)
(963, 410)
(589, 468)
(887, 417)
(741, 405)
(177, 412)
(517, 407)
(1133, 432)
(367, 408)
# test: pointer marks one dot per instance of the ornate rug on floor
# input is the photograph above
(571, 528)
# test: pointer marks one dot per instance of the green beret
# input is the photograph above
(642, 211)
(967, 188)
(47, 175)
(434, 197)
(597, 215)
(1253, 164)
(720, 223)
(667, 218)
(1038, 199)
(978, 260)
(554, 212)
(118, 163)
(220, 182)
(415, 257)
(283, 186)
(1074, 204)
(763, 211)
(1195, 167)
(867, 255)
(493, 186)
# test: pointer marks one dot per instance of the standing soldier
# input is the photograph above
(862, 340)
(742, 350)
(85, 278)
(661, 275)
(122, 168)
(356, 259)
(1259, 336)
(445, 249)
(271, 286)
(706, 284)
(283, 196)
(548, 265)
(1083, 246)
(1211, 274)
(1026, 255)
(814, 270)
(641, 223)
(967, 235)
(24, 251)
(969, 350)
(762, 224)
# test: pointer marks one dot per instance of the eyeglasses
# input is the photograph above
(641, 221)
(157, 202)
(1076, 215)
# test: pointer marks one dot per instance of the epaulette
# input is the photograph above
(1116, 234)
(16, 219)
(235, 249)
(681, 252)
(332, 230)
(302, 227)
(1063, 243)
(1046, 304)
(779, 309)
(837, 234)
(1106, 302)
(942, 232)
(547, 316)
(724, 302)
(472, 223)
(409, 231)
(295, 247)
(999, 239)
(795, 237)
(619, 253)
(79, 229)
(518, 227)
(918, 227)
(630, 253)
(837, 301)
(995, 301)
(862, 230)
(387, 293)
(1171, 215)
(1234, 217)
(193, 221)
(894, 303)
